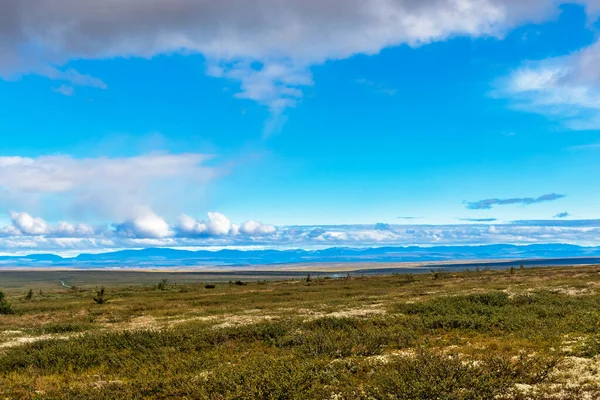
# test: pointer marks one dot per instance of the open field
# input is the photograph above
(530, 333)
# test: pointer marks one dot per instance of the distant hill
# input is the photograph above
(165, 257)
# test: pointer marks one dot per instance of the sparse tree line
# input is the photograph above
(100, 295)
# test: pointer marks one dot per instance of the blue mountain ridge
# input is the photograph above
(230, 257)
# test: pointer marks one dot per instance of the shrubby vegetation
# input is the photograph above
(459, 336)
(100, 298)
(5, 307)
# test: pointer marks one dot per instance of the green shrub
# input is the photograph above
(5, 307)
(435, 376)
(99, 297)
(162, 285)
(64, 328)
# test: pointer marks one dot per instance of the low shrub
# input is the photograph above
(5, 307)
(99, 297)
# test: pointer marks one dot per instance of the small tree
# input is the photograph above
(308, 277)
(99, 297)
(512, 270)
(162, 285)
(5, 307)
(521, 266)
(29, 294)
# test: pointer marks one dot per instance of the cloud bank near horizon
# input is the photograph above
(27, 233)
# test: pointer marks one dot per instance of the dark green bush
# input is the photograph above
(99, 297)
(162, 285)
(5, 307)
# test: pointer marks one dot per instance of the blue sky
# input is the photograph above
(297, 113)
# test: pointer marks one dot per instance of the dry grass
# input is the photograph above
(534, 334)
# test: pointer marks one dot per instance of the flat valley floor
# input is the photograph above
(519, 333)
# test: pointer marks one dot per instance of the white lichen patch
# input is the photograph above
(573, 378)
(370, 310)
(23, 340)
(570, 291)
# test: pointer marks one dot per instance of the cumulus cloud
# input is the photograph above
(27, 233)
(253, 228)
(487, 204)
(564, 88)
(268, 46)
(28, 225)
(145, 225)
(23, 224)
(111, 187)
(216, 225)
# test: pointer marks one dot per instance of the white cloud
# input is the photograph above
(253, 228)
(109, 187)
(566, 88)
(217, 225)
(73, 230)
(28, 225)
(147, 229)
(23, 224)
(145, 225)
(268, 46)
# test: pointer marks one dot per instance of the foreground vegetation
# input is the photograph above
(515, 334)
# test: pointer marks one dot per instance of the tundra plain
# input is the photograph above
(518, 333)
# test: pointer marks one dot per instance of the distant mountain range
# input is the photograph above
(166, 257)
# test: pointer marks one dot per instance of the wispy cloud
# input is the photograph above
(591, 146)
(487, 204)
(479, 219)
(562, 215)
(71, 76)
(108, 187)
(377, 87)
(573, 223)
(65, 90)
(566, 89)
